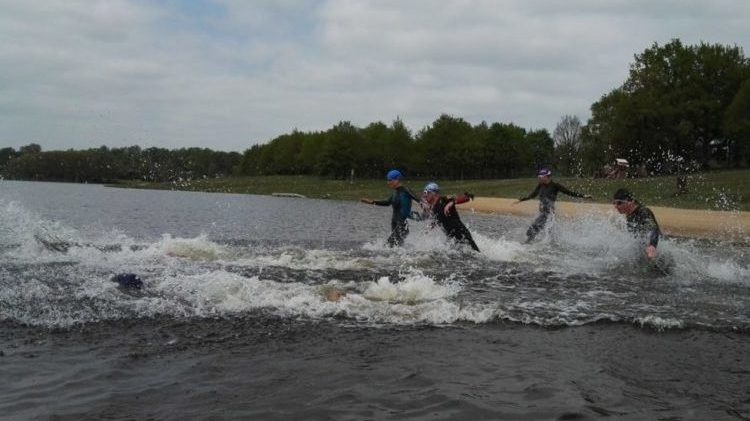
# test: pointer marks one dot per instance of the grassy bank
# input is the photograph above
(724, 190)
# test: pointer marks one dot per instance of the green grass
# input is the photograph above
(717, 190)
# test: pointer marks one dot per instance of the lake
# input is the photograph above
(233, 322)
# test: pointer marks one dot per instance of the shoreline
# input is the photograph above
(678, 222)
(672, 221)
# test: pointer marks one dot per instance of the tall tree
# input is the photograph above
(439, 147)
(340, 153)
(567, 139)
(737, 125)
(672, 103)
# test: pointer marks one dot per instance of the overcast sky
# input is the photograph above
(226, 74)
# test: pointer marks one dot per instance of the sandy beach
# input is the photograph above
(677, 222)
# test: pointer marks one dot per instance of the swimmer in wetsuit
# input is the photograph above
(400, 201)
(443, 210)
(547, 191)
(640, 220)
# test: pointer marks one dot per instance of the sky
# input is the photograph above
(228, 74)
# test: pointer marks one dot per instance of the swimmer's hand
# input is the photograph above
(448, 207)
(368, 201)
(651, 252)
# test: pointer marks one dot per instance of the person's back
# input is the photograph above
(400, 201)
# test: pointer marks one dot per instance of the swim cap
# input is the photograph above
(544, 172)
(431, 187)
(128, 280)
(623, 194)
(393, 175)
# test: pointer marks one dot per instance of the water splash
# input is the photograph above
(582, 270)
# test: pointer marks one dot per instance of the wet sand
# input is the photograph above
(673, 221)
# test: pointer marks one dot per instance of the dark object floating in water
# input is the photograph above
(128, 280)
(297, 195)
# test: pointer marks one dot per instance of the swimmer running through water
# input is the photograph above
(640, 220)
(443, 210)
(400, 201)
(547, 191)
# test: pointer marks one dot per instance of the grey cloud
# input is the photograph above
(81, 74)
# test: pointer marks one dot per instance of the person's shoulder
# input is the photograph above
(644, 210)
(409, 192)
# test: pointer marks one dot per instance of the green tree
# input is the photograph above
(375, 137)
(501, 150)
(398, 148)
(31, 148)
(6, 154)
(340, 153)
(567, 139)
(737, 125)
(310, 153)
(251, 160)
(671, 105)
(439, 147)
(536, 150)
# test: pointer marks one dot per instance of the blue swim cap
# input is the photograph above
(393, 175)
(544, 172)
(431, 187)
(128, 280)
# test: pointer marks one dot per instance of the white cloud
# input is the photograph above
(226, 74)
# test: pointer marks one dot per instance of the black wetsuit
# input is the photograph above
(400, 200)
(642, 223)
(451, 223)
(547, 196)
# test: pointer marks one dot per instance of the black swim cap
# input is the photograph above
(623, 194)
(128, 280)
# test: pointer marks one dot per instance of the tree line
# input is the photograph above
(103, 164)
(449, 148)
(682, 107)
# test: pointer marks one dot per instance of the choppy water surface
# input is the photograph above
(233, 321)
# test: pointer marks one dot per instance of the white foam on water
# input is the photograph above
(192, 277)
(306, 259)
(660, 323)
(500, 249)
(224, 293)
(600, 245)
(198, 248)
(416, 299)
(590, 244)
(421, 237)
(415, 288)
(728, 271)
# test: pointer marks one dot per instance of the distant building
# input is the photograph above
(619, 169)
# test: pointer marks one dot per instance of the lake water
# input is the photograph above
(233, 323)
